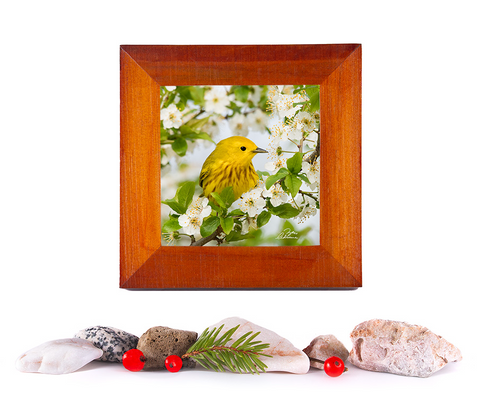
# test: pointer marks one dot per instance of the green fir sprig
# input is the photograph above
(241, 356)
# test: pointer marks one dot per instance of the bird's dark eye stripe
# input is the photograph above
(243, 148)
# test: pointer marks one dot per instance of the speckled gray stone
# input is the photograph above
(114, 342)
(160, 341)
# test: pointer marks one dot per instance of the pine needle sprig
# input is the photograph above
(242, 356)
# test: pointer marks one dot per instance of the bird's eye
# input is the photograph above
(243, 148)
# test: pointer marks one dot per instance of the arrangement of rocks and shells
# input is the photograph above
(377, 345)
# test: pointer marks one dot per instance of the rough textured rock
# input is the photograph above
(114, 342)
(286, 358)
(160, 341)
(324, 347)
(58, 356)
(400, 348)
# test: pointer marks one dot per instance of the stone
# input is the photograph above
(324, 347)
(400, 348)
(160, 341)
(286, 358)
(58, 356)
(114, 342)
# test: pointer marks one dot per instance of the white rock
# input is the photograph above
(286, 357)
(58, 356)
(400, 348)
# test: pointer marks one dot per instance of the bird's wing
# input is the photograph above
(203, 175)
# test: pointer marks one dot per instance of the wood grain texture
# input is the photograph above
(336, 263)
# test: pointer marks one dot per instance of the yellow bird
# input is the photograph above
(230, 164)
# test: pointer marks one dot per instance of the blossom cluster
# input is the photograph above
(192, 220)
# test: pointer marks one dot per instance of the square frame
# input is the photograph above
(336, 262)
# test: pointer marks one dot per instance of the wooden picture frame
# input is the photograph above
(335, 263)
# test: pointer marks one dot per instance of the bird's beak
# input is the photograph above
(259, 151)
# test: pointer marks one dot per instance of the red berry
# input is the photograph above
(134, 360)
(173, 363)
(334, 366)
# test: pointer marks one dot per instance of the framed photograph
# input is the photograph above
(240, 166)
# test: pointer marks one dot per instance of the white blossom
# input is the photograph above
(249, 223)
(311, 140)
(280, 133)
(308, 206)
(170, 88)
(256, 120)
(305, 122)
(252, 202)
(312, 171)
(167, 154)
(192, 220)
(284, 105)
(171, 117)
(217, 100)
(238, 124)
(276, 194)
(190, 224)
(276, 164)
(256, 95)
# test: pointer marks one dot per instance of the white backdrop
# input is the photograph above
(59, 200)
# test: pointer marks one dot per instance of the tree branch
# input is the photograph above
(207, 239)
(315, 154)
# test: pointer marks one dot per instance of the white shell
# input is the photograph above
(286, 358)
(58, 356)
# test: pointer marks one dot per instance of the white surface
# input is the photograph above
(59, 154)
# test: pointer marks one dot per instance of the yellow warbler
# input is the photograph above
(230, 165)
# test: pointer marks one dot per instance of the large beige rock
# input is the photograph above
(400, 348)
(286, 357)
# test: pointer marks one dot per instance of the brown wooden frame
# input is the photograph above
(335, 263)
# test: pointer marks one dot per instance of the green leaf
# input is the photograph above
(180, 146)
(236, 212)
(304, 178)
(197, 93)
(293, 183)
(184, 195)
(180, 105)
(215, 208)
(281, 173)
(218, 199)
(241, 92)
(263, 218)
(262, 173)
(197, 123)
(237, 236)
(227, 196)
(313, 92)
(175, 206)
(164, 135)
(171, 225)
(227, 224)
(202, 136)
(209, 226)
(294, 164)
(284, 211)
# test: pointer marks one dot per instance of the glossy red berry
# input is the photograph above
(334, 366)
(173, 363)
(134, 360)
